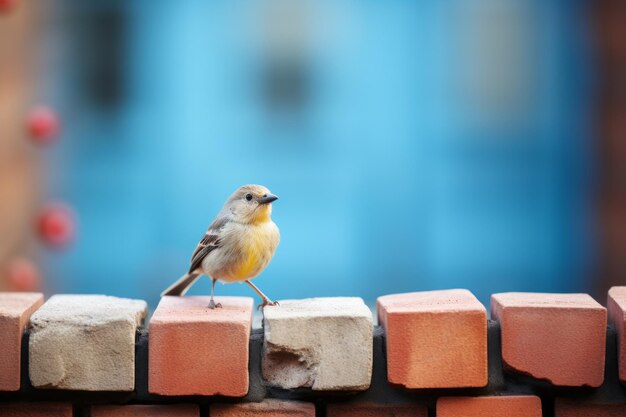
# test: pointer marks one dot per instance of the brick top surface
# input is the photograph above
(573, 408)
(174, 309)
(198, 351)
(322, 343)
(319, 307)
(560, 338)
(36, 409)
(545, 300)
(618, 295)
(492, 406)
(265, 407)
(15, 311)
(14, 304)
(89, 309)
(431, 301)
(170, 410)
(376, 410)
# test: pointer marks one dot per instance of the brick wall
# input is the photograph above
(434, 353)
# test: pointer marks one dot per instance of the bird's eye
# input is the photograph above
(248, 197)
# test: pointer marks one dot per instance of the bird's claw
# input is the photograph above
(266, 303)
(213, 305)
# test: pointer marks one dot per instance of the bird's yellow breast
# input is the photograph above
(257, 249)
(248, 262)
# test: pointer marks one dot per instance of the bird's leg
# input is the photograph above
(266, 300)
(212, 303)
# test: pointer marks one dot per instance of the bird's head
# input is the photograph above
(251, 204)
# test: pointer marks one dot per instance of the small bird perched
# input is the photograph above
(238, 245)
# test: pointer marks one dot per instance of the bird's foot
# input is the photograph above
(268, 302)
(213, 305)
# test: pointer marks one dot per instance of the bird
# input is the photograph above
(237, 246)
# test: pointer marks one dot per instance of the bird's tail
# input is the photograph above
(181, 286)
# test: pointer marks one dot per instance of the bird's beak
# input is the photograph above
(267, 198)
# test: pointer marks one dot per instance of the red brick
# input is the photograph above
(435, 339)
(616, 305)
(178, 410)
(569, 408)
(15, 311)
(376, 410)
(267, 408)
(197, 351)
(560, 338)
(35, 410)
(505, 406)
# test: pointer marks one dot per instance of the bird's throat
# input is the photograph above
(262, 214)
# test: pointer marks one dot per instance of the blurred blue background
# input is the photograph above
(414, 145)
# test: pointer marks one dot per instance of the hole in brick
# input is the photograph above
(289, 368)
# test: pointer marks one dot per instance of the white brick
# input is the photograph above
(322, 343)
(85, 342)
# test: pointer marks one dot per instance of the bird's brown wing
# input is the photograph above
(211, 240)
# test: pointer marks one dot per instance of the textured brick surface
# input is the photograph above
(35, 410)
(267, 408)
(505, 406)
(197, 351)
(616, 305)
(85, 342)
(177, 410)
(435, 339)
(376, 410)
(15, 311)
(322, 343)
(557, 337)
(568, 408)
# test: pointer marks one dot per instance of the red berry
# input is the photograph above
(56, 225)
(24, 275)
(43, 125)
(6, 5)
